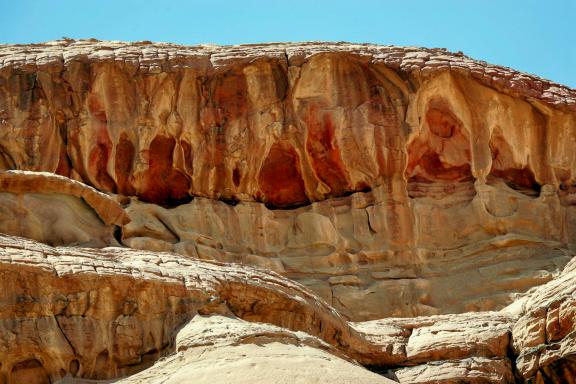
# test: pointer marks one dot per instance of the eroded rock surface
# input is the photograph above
(108, 312)
(87, 314)
(365, 183)
(222, 349)
(57, 210)
(545, 336)
(401, 172)
(469, 347)
(342, 249)
(166, 122)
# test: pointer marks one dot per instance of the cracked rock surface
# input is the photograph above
(85, 313)
(285, 212)
(331, 164)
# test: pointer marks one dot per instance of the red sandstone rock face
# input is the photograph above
(412, 182)
(166, 123)
(280, 178)
(442, 155)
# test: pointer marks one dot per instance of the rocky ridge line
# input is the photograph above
(160, 57)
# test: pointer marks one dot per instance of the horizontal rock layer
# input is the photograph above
(339, 248)
(109, 312)
(392, 182)
(348, 251)
(57, 210)
(402, 171)
(79, 313)
(283, 124)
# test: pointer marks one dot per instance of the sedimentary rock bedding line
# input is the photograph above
(26, 182)
(56, 210)
(122, 306)
(110, 312)
(401, 171)
(166, 122)
(343, 249)
(388, 182)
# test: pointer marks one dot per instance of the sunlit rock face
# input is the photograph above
(281, 124)
(383, 178)
(74, 315)
(393, 187)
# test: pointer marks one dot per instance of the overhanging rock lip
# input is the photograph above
(19, 182)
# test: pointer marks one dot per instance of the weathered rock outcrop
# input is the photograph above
(108, 311)
(166, 122)
(458, 170)
(56, 210)
(208, 212)
(80, 313)
(545, 336)
(222, 350)
(341, 248)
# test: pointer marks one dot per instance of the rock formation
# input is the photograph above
(103, 313)
(57, 210)
(312, 212)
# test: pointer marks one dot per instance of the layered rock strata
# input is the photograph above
(312, 212)
(333, 164)
(544, 336)
(113, 308)
(56, 210)
(74, 314)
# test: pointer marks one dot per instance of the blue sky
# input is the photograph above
(534, 36)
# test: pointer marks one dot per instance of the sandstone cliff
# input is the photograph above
(367, 183)
(73, 314)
